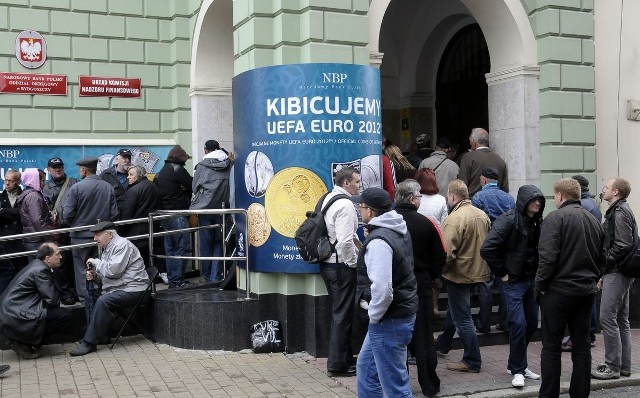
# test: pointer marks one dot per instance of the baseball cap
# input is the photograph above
(443, 142)
(124, 152)
(54, 162)
(376, 198)
(490, 173)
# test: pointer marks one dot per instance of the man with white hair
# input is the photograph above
(479, 158)
(121, 273)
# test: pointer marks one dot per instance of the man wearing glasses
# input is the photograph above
(388, 285)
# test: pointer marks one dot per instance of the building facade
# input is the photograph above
(550, 80)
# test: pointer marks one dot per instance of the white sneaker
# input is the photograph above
(163, 275)
(528, 374)
(518, 381)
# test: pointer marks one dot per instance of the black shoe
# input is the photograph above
(83, 349)
(352, 361)
(348, 372)
(4, 368)
(24, 350)
(68, 300)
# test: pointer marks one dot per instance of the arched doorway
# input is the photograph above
(412, 42)
(461, 87)
(211, 76)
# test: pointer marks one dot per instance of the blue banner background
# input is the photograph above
(262, 151)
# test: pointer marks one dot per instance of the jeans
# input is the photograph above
(210, 246)
(176, 245)
(29, 246)
(340, 281)
(485, 299)
(522, 311)
(424, 347)
(460, 309)
(558, 311)
(614, 319)
(382, 362)
(105, 312)
(443, 344)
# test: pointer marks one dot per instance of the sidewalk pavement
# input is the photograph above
(138, 368)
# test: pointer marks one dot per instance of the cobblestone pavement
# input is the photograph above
(138, 368)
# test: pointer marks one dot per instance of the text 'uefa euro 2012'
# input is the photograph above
(335, 115)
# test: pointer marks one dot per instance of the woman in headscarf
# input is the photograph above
(34, 210)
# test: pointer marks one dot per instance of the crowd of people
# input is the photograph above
(474, 238)
(32, 289)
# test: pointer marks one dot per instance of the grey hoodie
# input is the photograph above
(211, 181)
(378, 258)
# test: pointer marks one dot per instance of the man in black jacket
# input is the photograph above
(116, 175)
(10, 225)
(174, 183)
(511, 250)
(620, 231)
(570, 248)
(429, 258)
(30, 309)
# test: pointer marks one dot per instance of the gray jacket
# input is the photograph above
(88, 201)
(23, 312)
(121, 267)
(211, 181)
(446, 170)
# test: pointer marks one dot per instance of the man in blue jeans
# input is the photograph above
(174, 183)
(464, 231)
(511, 250)
(385, 269)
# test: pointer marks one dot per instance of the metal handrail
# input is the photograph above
(175, 213)
(155, 216)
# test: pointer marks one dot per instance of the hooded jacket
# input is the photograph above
(512, 244)
(464, 230)
(34, 211)
(385, 269)
(211, 181)
(570, 251)
(174, 183)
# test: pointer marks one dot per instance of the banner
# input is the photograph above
(295, 126)
(23, 157)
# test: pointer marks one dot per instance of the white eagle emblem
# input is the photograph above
(31, 49)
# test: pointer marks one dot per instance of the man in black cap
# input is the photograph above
(494, 202)
(116, 175)
(445, 169)
(55, 190)
(87, 202)
(387, 288)
(121, 273)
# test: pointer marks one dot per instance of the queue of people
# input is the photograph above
(549, 271)
(32, 291)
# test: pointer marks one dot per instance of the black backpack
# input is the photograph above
(312, 237)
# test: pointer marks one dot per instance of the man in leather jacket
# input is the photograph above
(30, 309)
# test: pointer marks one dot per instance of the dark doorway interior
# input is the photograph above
(461, 88)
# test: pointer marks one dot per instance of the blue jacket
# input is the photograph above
(493, 201)
(586, 200)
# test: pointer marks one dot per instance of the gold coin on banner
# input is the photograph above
(290, 194)
(258, 225)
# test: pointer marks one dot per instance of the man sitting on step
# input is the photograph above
(121, 272)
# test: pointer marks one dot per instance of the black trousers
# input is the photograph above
(57, 318)
(558, 312)
(424, 347)
(340, 281)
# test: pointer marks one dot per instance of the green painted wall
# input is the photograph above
(149, 39)
(565, 34)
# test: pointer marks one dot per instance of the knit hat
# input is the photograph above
(584, 183)
(178, 155)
